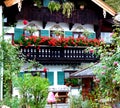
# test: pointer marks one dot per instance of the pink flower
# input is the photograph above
(97, 80)
(115, 63)
(51, 98)
(111, 34)
(103, 73)
(114, 81)
(91, 50)
(104, 67)
(25, 22)
(101, 40)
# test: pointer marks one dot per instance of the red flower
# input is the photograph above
(65, 46)
(25, 22)
(71, 41)
(45, 69)
(52, 42)
(38, 47)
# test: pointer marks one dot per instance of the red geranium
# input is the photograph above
(25, 22)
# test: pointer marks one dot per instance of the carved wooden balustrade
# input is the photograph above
(58, 55)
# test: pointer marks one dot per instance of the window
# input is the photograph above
(56, 31)
(77, 34)
(31, 29)
(42, 74)
(9, 37)
(106, 36)
(37, 73)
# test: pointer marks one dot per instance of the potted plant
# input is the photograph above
(37, 3)
(68, 7)
(58, 33)
(74, 82)
(82, 5)
(67, 81)
(54, 6)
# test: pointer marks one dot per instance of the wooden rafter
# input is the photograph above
(105, 7)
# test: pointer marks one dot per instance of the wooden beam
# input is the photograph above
(105, 7)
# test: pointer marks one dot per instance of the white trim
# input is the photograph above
(105, 7)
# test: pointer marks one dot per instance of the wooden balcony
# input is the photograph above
(58, 55)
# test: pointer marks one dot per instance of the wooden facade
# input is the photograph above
(46, 55)
(91, 14)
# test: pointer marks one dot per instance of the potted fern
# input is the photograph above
(54, 6)
(68, 7)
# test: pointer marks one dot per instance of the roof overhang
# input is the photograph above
(9, 3)
(85, 73)
(105, 7)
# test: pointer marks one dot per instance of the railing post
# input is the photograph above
(61, 52)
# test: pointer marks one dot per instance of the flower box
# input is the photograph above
(63, 42)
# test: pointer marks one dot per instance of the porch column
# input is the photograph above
(1, 67)
(98, 29)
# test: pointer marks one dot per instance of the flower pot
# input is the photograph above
(82, 7)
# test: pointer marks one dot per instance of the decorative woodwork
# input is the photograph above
(58, 55)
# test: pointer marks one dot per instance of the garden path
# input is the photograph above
(58, 106)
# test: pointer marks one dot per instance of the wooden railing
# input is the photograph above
(58, 55)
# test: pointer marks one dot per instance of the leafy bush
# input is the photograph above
(108, 72)
(33, 91)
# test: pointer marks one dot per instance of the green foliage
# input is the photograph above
(58, 32)
(86, 33)
(68, 7)
(76, 102)
(11, 102)
(38, 3)
(72, 81)
(108, 72)
(86, 104)
(9, 57)
(54, 6)
(114, 3)
(11, 64)
(33, 91)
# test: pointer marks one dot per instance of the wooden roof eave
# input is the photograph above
(9, 3)
(84, 73)
(105, 7)
(86, 76)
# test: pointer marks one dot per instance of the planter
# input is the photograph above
(82, 7)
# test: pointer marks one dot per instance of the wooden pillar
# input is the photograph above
(98, 29)
(86, 87)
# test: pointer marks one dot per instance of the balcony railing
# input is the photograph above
(58, 55)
